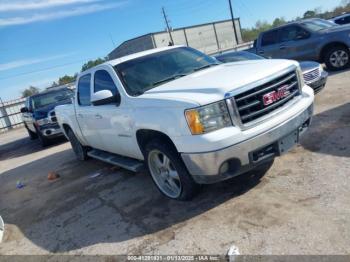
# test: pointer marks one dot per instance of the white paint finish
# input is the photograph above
(162, 108)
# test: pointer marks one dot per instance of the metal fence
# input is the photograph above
(10, 114)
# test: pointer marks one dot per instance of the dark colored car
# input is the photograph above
(307, 40)
(39, 114)
(313, 72)
(341, 20)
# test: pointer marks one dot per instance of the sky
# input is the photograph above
(41, 40)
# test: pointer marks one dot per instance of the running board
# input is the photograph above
(124, 162)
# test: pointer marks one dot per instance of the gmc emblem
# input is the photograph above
(274, 96)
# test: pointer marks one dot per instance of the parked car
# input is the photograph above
(190, 119)
(341, 20)
(311, 39)
(39, 115)
(314, 75)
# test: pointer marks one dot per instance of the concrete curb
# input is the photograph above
(2, 229)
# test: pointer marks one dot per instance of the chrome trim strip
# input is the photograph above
(271, 107)
(260, 82)
(267, 88)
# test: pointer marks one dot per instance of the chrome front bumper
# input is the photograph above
(205, 167)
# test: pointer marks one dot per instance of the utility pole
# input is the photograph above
(167, 26)
(233, 21)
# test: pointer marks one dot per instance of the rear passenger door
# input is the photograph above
(85, 112)
(269, 45)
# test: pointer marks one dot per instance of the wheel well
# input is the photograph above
(329, 46)
(144, 136)
(66, 128)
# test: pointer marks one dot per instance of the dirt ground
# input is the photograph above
(301, 206)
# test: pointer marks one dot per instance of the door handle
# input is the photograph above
(80, 115)
(261, 52)
(98, 116)
(282, 47)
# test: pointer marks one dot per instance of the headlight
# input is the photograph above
(320, 67)
(208, 118)
(43, 121)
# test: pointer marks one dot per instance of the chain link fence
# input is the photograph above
(10, 114)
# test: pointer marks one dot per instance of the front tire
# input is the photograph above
(79, 150)
(168, 171)
(43, 140)
(337, 58)
(32, 135)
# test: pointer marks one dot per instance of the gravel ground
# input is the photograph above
(301, 206)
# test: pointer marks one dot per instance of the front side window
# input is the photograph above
(292, 33)
(84, 95)
(104, 81)
(141, 74)
(269, 38)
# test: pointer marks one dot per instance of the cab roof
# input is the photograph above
(117, 61)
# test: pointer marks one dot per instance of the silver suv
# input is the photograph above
(311, 39)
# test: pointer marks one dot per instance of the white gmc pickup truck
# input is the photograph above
(190, 119)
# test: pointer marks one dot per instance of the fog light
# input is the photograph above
(224, 168)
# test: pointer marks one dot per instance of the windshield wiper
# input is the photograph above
(204, 67)
(168, 79)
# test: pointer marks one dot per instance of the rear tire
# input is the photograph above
(168, 171)
(337, 58)
(79, 150)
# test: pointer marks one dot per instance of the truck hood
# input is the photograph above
(210, 85)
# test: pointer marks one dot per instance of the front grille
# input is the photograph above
(250, 105)
(312, 75)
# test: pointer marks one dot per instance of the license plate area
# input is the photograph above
(288, 142)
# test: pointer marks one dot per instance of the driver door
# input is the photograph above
(113, 121)
(297, 43)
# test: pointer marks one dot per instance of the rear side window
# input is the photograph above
(104, 81)
(269, 38)
(84, 95)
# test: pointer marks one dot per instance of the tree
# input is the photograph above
(66, 79)
(309, 14)
(92, 63)
(32, 90)
(279, 21)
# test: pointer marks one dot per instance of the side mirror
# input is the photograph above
(24, 110)
(105, 97)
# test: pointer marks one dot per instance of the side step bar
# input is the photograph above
(124, 162)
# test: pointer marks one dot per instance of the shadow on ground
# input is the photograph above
(81, 209)
(329, 132)
(25, 146)
(78, 211)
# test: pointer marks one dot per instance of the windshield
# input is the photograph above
(45, 99)
(237, 56)
(144, 73)
(319, 24)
